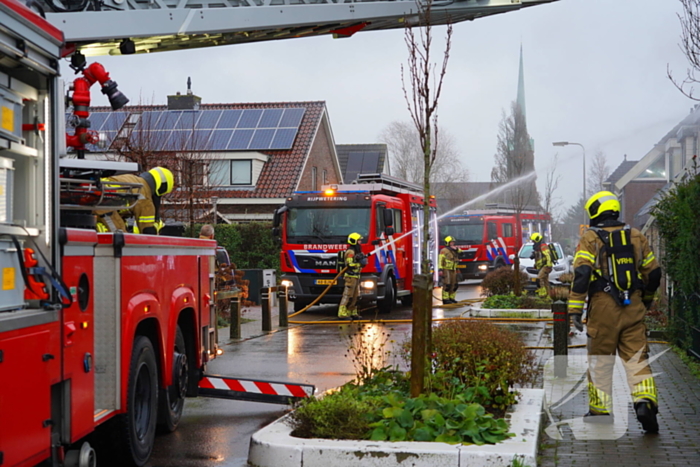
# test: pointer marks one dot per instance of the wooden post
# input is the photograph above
(282, 297)
(421, 307)
(266, 312)
(561, 338)
(235, 328)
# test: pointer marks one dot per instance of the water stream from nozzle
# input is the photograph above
(496, 190)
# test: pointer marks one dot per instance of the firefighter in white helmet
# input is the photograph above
(616, 268)
(154, 184)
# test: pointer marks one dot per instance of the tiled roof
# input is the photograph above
(281, 173)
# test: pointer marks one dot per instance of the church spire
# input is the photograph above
(521, 84)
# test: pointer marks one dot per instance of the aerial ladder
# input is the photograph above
(114, 27)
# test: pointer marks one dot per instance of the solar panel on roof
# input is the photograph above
(284, 138)
(229, 118)
(370, 162)
(168, 120)
(200, 139)
(148, 120)
(240, 139)
(188, 120)
(354, 166)
(208, 119)
(178, 140)
(219, 139)
(97, 119)
(270, 118)
(292, 118)
(250, 118)
(115, 121)
(262, 139)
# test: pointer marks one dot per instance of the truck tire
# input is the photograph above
(172, 398)
(138, 428)
(386, 304)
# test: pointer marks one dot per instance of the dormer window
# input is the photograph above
(237, 169)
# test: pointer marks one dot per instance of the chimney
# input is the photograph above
(184, 102)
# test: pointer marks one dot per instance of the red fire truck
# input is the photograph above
(490, 236)
(101, 335)
(386, 211)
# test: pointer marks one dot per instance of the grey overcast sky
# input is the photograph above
(595, 73)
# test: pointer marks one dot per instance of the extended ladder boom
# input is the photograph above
(99, 27)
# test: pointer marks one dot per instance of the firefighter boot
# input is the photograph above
(445, 296)
(354, 314)
(453, 297)
(599, 406)
(646, 414)
(343, 312)
(644, 396)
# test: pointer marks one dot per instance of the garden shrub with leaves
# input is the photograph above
(510, 301)
(483, 355)
(501, 281)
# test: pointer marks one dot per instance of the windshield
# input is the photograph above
(526, 250)
(326, 223)
(463, 233)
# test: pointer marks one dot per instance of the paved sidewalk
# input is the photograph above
(676, 444)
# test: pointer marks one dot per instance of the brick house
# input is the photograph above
(248, 157)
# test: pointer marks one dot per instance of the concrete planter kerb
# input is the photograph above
(273, 446)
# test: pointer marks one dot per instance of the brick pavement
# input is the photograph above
(676, 444)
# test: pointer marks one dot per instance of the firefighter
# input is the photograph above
(616, 268)
(543, 263)
(155, 183)
(354, 260)
(448, 260)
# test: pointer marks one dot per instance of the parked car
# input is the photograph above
(527, 265)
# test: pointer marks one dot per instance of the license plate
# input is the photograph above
(324, 281)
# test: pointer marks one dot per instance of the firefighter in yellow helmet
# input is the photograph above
(152, 185)
(616, 268)
(354, 260)
(448, 260)
(543, 263)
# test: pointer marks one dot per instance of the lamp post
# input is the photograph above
(214, 199)
(567, 143)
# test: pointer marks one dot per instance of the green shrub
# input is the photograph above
(512, 302)
(481, 354)
(501, 281)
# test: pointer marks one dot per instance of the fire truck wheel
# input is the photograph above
(386, 304)
(172, 399)
(139, 422)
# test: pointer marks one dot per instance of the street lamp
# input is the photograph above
(567, 143)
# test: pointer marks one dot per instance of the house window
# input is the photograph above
(314, 179)
(231, 172)
(325, 177)
(656, 169)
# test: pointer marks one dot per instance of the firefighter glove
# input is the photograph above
(576, 318)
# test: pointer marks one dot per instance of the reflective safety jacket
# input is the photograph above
(449, 258)
(591, 264)
(543, 257)
(143, 210)
(354, 266)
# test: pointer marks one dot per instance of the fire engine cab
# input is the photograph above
(388, 212)
(490, 236)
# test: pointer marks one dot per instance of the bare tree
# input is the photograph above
(425, 80)
(690, 44)
(598, 173)
(407, 159)
(549, 201)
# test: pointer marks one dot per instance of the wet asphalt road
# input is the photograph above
(216, 432)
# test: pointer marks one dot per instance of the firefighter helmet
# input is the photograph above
(354, 238)
(602, 202)
(164, 180)
(536, 237)
(449, 239)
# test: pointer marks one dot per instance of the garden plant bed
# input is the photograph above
(273, 446)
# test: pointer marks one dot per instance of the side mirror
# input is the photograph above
(277, 217)
(388, 218)
(389, 231)
(276, 231)
(376, 242)
(570, 258)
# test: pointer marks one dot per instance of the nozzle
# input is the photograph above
(115, 96)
